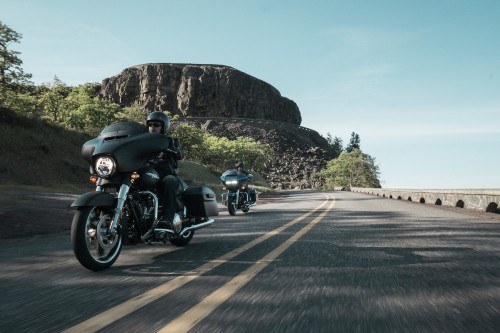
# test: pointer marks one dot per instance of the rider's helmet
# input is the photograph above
(161, 117)
(239, 165)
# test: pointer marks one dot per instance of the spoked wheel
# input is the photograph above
(231, 206)
(95, 245)
(182, 240)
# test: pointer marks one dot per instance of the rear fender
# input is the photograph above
(95, 198)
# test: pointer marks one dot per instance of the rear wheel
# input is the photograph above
(95, 245)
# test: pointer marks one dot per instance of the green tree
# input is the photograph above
(221, 153)
(12, 76)
(87, 112)
(354, 142)
(192, 139)
(54, 100)
(335, 144)
(350, 169)
(252, 153)
(26, 104)
(135, 113)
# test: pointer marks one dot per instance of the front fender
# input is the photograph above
(95, 198)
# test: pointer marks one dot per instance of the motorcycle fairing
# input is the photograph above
(234, 175)
(126, 144)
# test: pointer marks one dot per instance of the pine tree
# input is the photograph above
(354, 142)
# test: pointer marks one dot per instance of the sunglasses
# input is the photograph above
(154, 124)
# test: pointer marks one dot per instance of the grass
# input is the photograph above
(34, 154)
(41, 156)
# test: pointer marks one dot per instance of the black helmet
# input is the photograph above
(161, 117)
(239, 164)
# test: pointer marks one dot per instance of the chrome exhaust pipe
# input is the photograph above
(197, 226)
(181, 233)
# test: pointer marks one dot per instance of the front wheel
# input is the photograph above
(95, 245)
(231, 206)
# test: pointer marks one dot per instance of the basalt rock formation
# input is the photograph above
(191, 90)
(226, 102)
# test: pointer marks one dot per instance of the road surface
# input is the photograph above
(301, 262)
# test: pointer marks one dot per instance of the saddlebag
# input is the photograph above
(200, 201)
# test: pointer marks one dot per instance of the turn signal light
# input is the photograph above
(93, 178)
(134, 176)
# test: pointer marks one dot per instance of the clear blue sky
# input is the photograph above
(419, 81)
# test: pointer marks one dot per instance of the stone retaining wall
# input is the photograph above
(477, 199)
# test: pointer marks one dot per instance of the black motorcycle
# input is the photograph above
(238, 195)
(123, 209)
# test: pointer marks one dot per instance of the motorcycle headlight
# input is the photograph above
(105, 166)
(231, 182)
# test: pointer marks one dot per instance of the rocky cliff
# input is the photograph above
(226, 102)
(199, 91)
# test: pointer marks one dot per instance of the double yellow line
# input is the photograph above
(190, 318)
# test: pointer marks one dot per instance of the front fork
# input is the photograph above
(120, 202)
(244, 197)
(237, 198)
(226, 197)
(231, 197)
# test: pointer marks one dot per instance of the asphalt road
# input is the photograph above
(303, 262)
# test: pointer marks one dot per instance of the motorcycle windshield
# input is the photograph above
(128, 143)
(123, 129)
(233, 174)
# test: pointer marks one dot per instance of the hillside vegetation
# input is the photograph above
(36, 153)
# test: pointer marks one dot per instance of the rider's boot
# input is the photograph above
(174, 224)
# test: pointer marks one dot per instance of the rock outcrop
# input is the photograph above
(226, 102)
(199, 91)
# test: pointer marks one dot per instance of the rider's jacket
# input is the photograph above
(165, 163)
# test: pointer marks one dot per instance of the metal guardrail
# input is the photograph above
(486, 200)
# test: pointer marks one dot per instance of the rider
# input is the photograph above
(241, 168)
(167, 167)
